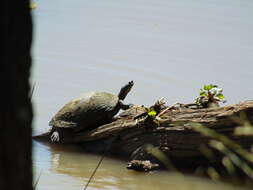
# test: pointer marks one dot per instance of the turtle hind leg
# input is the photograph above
(62, 135)
(55, 137)
(124, 106)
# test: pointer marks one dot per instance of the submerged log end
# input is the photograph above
(142, 165)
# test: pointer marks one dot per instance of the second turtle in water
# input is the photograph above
(88, 111)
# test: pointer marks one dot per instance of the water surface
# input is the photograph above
(169, 48)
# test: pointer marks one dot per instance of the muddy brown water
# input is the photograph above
(169, 48)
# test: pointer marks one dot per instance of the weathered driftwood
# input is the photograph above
(173, 133)
(142, 165)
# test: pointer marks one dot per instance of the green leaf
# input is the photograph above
(209, 87)
(220, 96)
(152, 113)
(202, 93)
(219, 90)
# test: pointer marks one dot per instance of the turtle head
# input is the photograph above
(125, 90)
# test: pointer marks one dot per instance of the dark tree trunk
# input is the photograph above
(16, 109)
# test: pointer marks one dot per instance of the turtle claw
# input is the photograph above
(55, 137)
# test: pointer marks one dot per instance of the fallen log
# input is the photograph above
(172, 132)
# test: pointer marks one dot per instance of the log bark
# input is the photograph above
(173, 133)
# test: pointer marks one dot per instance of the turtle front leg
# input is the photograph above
(124, 106)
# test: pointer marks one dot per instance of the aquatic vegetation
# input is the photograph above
(157, 153)
(245, 126)
(210, 96)
(237, 160)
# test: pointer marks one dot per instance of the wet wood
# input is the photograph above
(142, 165)
(172, 133)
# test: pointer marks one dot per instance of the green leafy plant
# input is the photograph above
(151, 112)
(210, 96)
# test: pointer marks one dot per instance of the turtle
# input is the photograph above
(87, 112)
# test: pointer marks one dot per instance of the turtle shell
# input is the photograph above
(89, 110)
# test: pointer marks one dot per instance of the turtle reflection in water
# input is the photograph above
(88, 111)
